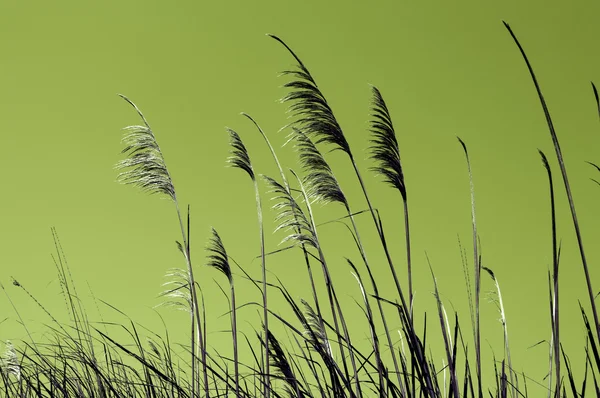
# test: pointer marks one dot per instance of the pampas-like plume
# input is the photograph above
(218, 257)
(290, 216)
(384, 148)
(309, 106)
(239, 155)
(320, 182)
(147, 168)
(280, 362)
(555, 263)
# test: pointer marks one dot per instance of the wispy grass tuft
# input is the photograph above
(145, 163)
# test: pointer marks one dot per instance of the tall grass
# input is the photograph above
(320, 356)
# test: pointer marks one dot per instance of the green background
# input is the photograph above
(444, 68)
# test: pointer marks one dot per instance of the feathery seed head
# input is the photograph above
(290, 216)
(177, 292)
(384, 148)
(310, 108)
(145, 166)
(218, 256)
(239, 155)
(320, 182)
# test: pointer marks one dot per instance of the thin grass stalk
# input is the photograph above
(477, 266)
(63, 268)
(264, 282)
(464, 263)
(235, 344)
(446, 335)
(563, 170)
(218, 259)
(586, 371)
(596, 387)
(596, 97)
(199, 336)
(455, 344)
(18, 313)
(590, 338)
(555, 290)
(194, 334)
(344, 336)
(504, 328)
(241, 159)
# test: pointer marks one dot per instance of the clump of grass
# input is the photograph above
(320, 357)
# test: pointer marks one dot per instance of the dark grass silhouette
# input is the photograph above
(318, 358)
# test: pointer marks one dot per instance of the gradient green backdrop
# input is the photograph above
(444, 68)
